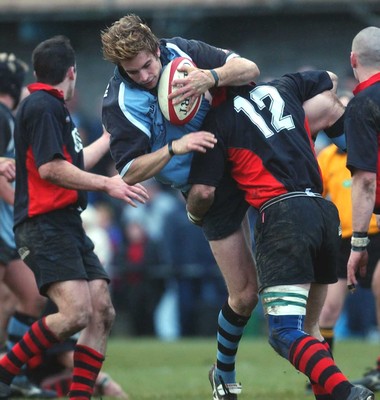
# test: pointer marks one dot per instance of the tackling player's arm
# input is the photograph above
(96, 150)
(325, 112)
(7, 192)
(62, 173)
(8, 168)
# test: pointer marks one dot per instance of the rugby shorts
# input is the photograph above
(227, 211)
(7, 253)
(297, 241)
(56, 248)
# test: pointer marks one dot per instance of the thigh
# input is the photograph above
(100, 294)
(233, 255)
(20, 279)
(70, 297)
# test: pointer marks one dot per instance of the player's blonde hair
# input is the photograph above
(126, 38)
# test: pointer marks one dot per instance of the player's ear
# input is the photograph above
(71, 72)
(353, 60)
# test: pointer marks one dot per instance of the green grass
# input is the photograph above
(153, 369)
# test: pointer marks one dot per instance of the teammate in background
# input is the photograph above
(144, 144)
(362, 127)
(264, 135)
(8, 168)
(51, 191)
(337, 187)
(13, 272)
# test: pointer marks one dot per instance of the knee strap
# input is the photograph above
(285, 306)
(284, 300)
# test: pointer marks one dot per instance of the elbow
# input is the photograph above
(46, 172)
(253, 71)
(256, 72)
(334, 80)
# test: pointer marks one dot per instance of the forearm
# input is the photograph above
(7, 193)
(95, 151)
(363, 199)
(323, 110)
(62, 173)
(147, 166)
(237, 71)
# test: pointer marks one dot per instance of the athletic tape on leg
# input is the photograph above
(284, 300)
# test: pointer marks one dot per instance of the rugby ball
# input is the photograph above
(179, 114)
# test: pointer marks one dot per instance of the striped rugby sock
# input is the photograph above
(230, 331)
(87, 364)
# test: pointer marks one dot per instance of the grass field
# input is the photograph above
(152, 369)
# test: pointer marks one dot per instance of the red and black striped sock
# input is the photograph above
(60, 386)
(38, 338)
(318, 390)
(87, 364)
(312, 358)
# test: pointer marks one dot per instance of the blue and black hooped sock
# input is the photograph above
(230, 331)
(18, 325)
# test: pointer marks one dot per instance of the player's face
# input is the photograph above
(144, 69)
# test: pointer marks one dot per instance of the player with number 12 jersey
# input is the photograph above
(256, 138)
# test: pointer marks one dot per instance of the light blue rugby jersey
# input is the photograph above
(141, 109)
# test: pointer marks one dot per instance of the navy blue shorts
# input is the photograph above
(373, 258)
(56, 248)
(7, 253)
(297, 242)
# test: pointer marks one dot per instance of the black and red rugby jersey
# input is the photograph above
(263, 134)
(44, 131)
(362, 127)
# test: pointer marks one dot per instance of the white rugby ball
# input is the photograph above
(179, 114)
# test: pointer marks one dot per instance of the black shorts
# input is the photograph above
(297, 242)
(373, 258)
(7, 253)
(56, 248)
(229, 207)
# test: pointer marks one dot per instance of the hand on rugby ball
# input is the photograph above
(179, 101)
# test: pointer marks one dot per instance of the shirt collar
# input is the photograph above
(34, 87)
(369, 82)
